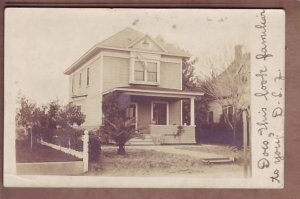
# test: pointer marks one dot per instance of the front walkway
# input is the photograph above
(177, 149)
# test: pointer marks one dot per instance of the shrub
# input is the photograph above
(116, 126)
(94, 147)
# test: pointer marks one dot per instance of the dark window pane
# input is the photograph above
(88, 76)
(130, 111)
(211, 117)
(79, 79)
(160, 113)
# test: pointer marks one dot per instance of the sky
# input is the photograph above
(40, 43)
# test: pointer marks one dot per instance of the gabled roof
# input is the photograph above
(123, 40)
(231, 72)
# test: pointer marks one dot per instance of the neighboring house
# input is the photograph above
(239, 68)
(146, 70)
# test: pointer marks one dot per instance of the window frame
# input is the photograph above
(80, 80)
(142, 42)
(145, 81)
(167, 110)
(226, 108)
(87, 76)
(72, 86)
(209, 122)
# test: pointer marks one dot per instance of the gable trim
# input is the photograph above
(138, 40)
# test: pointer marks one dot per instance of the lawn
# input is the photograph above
(143, 162)
(40, 153)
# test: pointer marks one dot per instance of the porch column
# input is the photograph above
(192, 105)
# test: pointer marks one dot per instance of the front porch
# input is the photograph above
(158, 114)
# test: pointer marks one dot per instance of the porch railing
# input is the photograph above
(165, 134)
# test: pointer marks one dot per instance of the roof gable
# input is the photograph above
(148, 44)
(129, 38)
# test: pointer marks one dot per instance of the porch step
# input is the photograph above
(218, 160)
(147, 140)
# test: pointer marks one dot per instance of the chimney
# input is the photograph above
(238, 51)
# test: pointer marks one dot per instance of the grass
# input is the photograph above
(140, 162)
(40, 153)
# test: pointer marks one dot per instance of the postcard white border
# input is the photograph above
(260, 178)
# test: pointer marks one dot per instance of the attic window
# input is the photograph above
(145, 44)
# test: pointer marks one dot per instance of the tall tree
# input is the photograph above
(229, 89)
(53, 114)
(189, 79)
(189, 82)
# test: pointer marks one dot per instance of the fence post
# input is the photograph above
(86, 151)
(245, 144)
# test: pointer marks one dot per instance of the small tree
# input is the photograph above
(201, 108)
(70, 115)
(116, 125)
(121, 130)
(27, 116)
(26, 113)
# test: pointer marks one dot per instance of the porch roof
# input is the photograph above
(155, 92)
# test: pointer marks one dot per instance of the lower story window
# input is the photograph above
(228, 112)
(210, 118)
(131, 112)
(160, 113)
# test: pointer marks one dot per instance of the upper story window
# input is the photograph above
(88, 76)
(146, 72)
(152, 72)
(80, 80)
(139, 71)
(72, 85)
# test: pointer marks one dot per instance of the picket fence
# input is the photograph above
(84, 155)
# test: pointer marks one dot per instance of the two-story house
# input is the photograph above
(147, 70)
